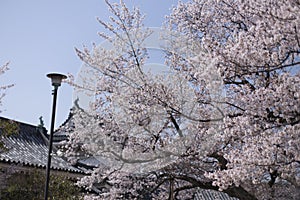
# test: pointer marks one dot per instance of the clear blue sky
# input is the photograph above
(39, 36)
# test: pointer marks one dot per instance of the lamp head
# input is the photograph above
(56, 78)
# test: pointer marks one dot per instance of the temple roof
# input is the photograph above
(29, 147)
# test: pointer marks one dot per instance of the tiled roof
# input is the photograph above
(29, 147)
(212, 195)
(61, 134)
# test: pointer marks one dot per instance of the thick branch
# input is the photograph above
(222, 161)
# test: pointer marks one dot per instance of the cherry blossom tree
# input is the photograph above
(3, 88)
(225, 116)
(7, 128)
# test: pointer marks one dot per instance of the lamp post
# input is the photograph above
(56, 82)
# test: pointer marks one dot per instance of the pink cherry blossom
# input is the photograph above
(225, 117)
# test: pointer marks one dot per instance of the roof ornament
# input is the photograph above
(41, 125)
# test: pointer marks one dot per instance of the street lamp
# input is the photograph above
(56, 82)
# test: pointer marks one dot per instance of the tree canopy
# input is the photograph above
(222, 114)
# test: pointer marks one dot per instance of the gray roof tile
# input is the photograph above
(29, 147)
(203, 194)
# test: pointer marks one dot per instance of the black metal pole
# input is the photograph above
(50, 141)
